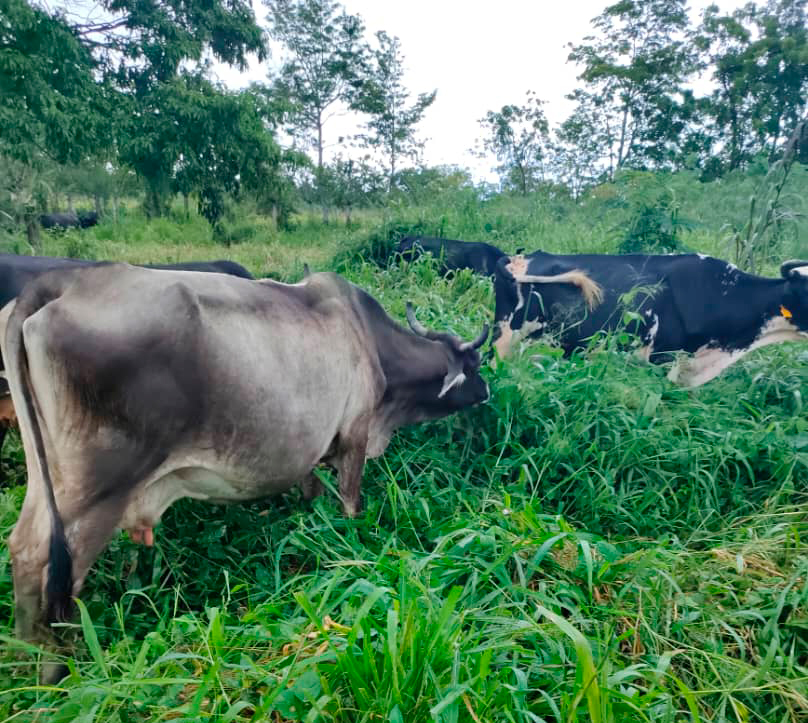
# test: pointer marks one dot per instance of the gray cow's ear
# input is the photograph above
(454, 378)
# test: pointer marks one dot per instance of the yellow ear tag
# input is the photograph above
(785, 312)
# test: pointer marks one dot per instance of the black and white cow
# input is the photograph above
(480, 257)
(135, 388)
(688, 302)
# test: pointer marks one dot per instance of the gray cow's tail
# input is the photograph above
(59, 587)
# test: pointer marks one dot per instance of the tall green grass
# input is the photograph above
(592, 544)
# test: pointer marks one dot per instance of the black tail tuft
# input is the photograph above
(59, 589)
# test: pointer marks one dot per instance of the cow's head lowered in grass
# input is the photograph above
(462, 386)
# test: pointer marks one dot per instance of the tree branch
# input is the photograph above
(102, 27)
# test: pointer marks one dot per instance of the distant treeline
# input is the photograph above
(123, 104)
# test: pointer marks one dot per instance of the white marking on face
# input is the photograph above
(801, 270)
(451, 384)
(708, 362)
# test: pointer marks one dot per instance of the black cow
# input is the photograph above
(136, 388)
(59, 219)
(688, 302)
(480, 257)
(68, 219)
(17, 271)
(88, 218)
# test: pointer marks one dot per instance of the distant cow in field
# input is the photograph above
(689, 302)
(480, 257)
(68, 219)
(65, 219)
(135, 388)
(88, 218)
(17, 271)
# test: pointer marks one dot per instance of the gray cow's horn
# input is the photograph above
(415, 325)
(478, 342)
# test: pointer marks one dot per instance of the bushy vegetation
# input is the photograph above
(593, 544)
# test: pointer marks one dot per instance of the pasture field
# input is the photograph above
(593, 544)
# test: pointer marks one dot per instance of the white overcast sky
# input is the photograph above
(478, 55)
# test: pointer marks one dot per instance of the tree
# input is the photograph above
(518, 136)
(52, 106)
(125, 89)
(392, 120)
(577, 152)
(89, 87)
(143, 47)
(352, 183)
(759, 57)
(422, 185)
(217, 144)
(636, 67)
(326, 52)
(53, 110)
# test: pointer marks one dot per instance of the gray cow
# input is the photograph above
(135, 388)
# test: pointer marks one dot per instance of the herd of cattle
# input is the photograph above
(136, 386)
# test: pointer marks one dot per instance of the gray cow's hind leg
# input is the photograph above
(29, 545)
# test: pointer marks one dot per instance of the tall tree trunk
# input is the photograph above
(156, 193)
(186, 206)
(320, 189)
(392, 156)
(621, 146)
(32, 231)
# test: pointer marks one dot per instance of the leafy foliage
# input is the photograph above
(654, 223)
(52, 105)
(391, 127)
(326, 48)
(760, 65)
(518, 137)
(635, 68)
